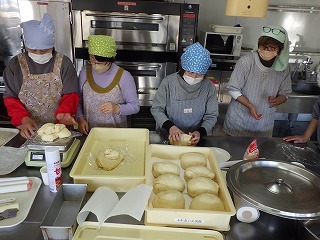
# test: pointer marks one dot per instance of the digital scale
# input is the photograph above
(68, 148)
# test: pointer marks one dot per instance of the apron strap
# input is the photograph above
(99, 89)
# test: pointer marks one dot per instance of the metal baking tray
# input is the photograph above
(60, 220)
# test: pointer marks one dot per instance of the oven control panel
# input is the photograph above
(188, 26)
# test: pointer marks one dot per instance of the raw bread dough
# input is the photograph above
(207, 201)
(199, 185)
(166, 167)
(192, 159)
(168, 182)
(64, 133)
(49, 137)
(198, 171)
(185, 140)
(49, 132)
(109, 159)
(169, 199)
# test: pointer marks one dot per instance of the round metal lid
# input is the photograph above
(277, 187)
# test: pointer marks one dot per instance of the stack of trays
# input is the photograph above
(217, 220)
(132, 142)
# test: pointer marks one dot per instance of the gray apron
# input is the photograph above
(187, 114)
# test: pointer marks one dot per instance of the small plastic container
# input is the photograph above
(53, 163)
(44, 175)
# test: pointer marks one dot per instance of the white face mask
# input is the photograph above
(100, 68)
(191, 80)
(267, 55)
(40, 58)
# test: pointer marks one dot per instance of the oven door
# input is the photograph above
(148, 77)
(149, 32)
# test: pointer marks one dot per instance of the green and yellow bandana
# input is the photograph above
(101, 45)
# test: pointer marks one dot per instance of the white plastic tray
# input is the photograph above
(25, 200)
(6, 134)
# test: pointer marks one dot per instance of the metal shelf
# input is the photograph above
(294, 8)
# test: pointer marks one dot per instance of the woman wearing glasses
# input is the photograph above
(260, 81)
(108, 92)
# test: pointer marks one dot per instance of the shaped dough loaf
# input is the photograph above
(169, 199)
(192, 159)
(207, 201)
(109, 159)
(200, 185)
(166, 167)
(168, 182)
(198, 171)
(185, 140)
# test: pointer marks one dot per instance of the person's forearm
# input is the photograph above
(245, 101)
(311, 128)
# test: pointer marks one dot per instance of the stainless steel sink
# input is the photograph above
(306, 88)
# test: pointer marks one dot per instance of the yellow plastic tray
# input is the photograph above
(90, 230)
(130, 173)
(217, 220)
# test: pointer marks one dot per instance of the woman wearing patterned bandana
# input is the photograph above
(260, 82)
(108, 92)
(186, 102)
(41, 84)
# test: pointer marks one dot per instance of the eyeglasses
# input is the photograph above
(268, 48)
(275, 31)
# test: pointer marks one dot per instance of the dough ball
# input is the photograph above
(192, 159)
(49, 137)
(59, 127)
(64, 133)
(198, 171)
(169, 199)
(185, 140)
(109, 159)
(160, 168)
(168, 182)
(207, 201)
(200, 185)
(43, 128)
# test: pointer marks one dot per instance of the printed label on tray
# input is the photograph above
(188, 220)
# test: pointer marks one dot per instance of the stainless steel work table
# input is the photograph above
(266, 227)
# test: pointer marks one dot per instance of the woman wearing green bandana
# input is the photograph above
(260, 82)
(108, 92)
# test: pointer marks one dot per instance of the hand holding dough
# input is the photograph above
(185, 140)
(165, 167)
(169, 199)
(168, 182)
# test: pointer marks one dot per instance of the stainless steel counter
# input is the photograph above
(266, 227)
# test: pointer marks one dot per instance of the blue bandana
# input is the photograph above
(196, 59)
(39, 35)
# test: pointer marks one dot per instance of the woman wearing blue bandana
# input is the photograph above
(260, 82)
(186, 102)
